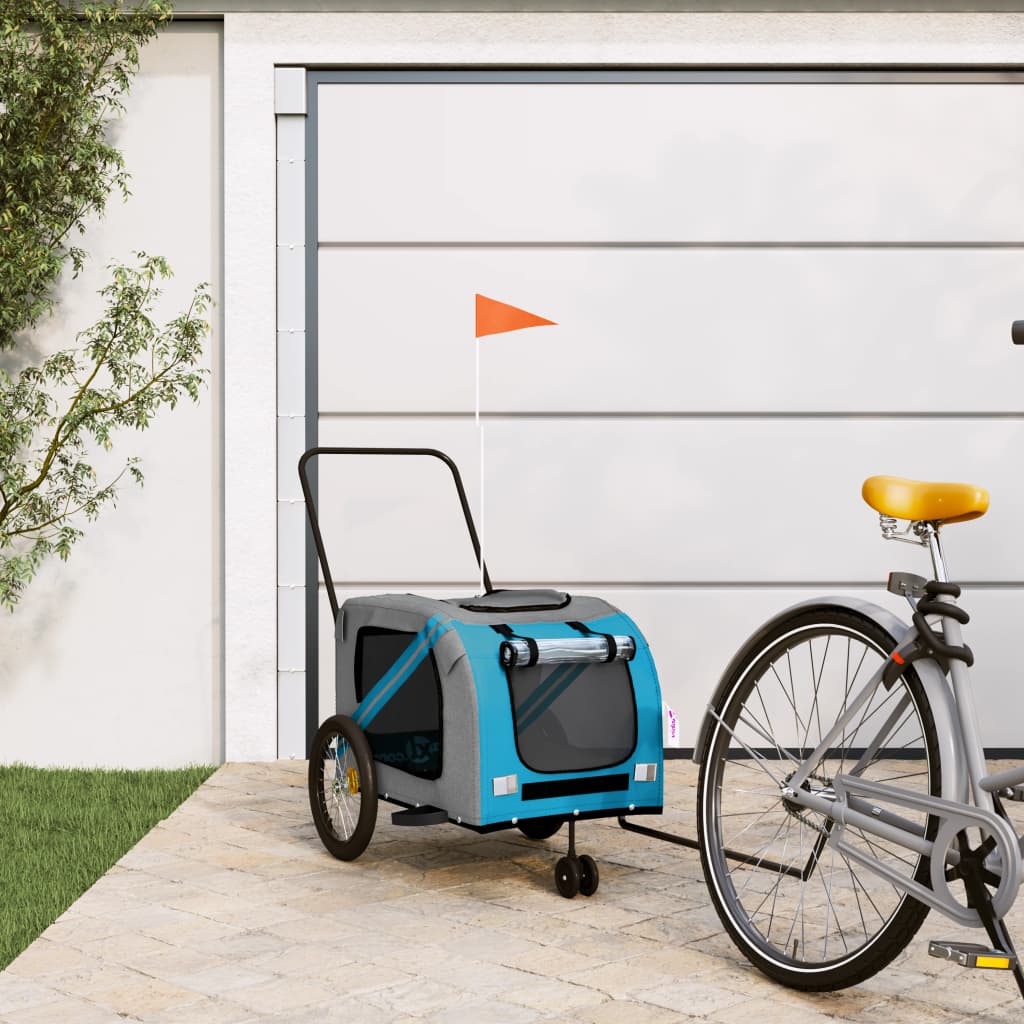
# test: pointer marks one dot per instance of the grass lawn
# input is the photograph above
(62, 829)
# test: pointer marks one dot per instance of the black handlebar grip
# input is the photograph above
(1017, 332)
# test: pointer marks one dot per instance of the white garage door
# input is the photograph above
(765, 290)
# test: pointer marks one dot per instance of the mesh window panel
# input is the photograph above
(406, 733)
(573, 717)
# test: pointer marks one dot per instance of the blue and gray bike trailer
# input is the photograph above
(522, 709)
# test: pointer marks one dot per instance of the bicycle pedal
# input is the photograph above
(971, 954)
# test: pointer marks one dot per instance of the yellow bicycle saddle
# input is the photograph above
(925, 502)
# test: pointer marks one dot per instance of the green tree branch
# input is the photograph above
(124, 371)
(64, 67)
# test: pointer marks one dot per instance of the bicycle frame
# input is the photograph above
(967, 787)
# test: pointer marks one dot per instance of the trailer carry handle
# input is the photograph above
(314, 521)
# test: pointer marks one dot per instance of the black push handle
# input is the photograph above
(1017, 332)
(314, 521)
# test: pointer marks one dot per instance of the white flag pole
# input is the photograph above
(480, 430)
(482, 587)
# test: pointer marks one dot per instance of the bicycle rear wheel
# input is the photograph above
(800, 909)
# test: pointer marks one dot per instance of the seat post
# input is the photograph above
(931, 532)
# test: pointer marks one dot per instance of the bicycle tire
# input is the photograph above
(784, 925)
(342, 787)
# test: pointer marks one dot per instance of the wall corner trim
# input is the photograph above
(289, 90)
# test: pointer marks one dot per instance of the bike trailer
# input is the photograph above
(514, 708)
(514, 705)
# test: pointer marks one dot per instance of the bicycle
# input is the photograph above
(843, 791)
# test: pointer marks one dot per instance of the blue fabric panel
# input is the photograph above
(498, 754)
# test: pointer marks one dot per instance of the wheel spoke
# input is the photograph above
(850, 682)
(757, 757)
(778, 881)
(817, 688)
(756, 858)
(783, 754)
(789, 695)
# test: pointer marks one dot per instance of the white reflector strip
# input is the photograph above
(505, 785)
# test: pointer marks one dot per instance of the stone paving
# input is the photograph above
(231, 912)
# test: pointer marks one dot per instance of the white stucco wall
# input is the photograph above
(254, 44)
(114, 657)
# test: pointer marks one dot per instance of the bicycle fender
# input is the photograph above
(940, 696)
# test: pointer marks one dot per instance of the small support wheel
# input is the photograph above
(590, 877)
(567, 877)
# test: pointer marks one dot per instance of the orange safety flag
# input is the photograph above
(493, 317)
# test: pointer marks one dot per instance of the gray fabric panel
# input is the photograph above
(355, 614)
(458, 789)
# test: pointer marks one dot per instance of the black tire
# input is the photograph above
(540, 828)
(342, 787)
(840, 922)
(567, 877)
(590, 877)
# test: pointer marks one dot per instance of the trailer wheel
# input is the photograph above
(342, 787)
(567, 877)
(589, 875)
(540, 828)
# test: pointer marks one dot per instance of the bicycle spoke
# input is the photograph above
(760, 760)
(758, 857)
(858, 884)
(750, 825)
(891, 727)
(876, 845)
(800, 909)
(767, 736)
(789, 695)
(744, 814)
(792, 689)
(815, 678)
(817, 689)
(768, 721)
(869, 713)
(755, 768)
(856, 894)
(849, 689)
(778, 882)
(899, 778)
